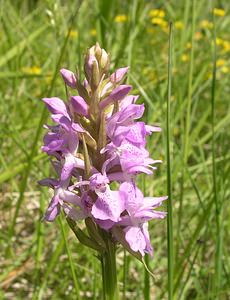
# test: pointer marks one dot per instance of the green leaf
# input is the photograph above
(83, 238)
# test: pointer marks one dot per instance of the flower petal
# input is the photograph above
(108, 206)
(135, 239)
(79, 105)
(53, 210)
(55, 105)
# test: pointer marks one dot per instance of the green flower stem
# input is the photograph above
(109, 272)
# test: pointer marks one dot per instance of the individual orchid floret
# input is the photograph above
(80, 106)
(69, 78)
(70, 202)
(118, 75)
(140, 210)
(117, 94)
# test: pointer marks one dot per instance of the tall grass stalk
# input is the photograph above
(218, 262)
(169, 184)
(187, 122)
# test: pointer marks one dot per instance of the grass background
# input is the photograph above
(44, 261)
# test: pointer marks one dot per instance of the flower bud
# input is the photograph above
(104, 60)
(101, 56)
(97, 51)
(69, 78)
(92, 70)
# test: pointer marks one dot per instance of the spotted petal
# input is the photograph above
(108, 206)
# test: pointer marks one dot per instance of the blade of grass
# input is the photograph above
(104, 9)
(189, 272)
(133, 28)
(169, 186)
(142, 91)
(218, 256)
(187, 120)
(38, 295)
(181, 264)
(74, 276)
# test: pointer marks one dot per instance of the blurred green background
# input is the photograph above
(37, 39)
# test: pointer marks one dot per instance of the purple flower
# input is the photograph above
(120, 121)
(131, 158)
(117, 94)
(70, 202)
(79, 105)
(56, 106)
(138, 239)
(69, 78)
(118, 75)
(108, 205)
(98, 149)
(140, 210)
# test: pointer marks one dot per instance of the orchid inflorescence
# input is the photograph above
(98, 150)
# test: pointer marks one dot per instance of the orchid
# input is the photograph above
(98, 148)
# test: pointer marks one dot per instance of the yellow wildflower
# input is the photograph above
(179, 25)
(73, 33)
(35, 70)
(157, 13)
(184, 57)
(121, 18)
(219, 12)
(220, 62)
(225, 69)
(226, 46)
(206, 24)
(219, 41)
(189, 45)
(93, 32)
(198, 36)
(159, 21)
